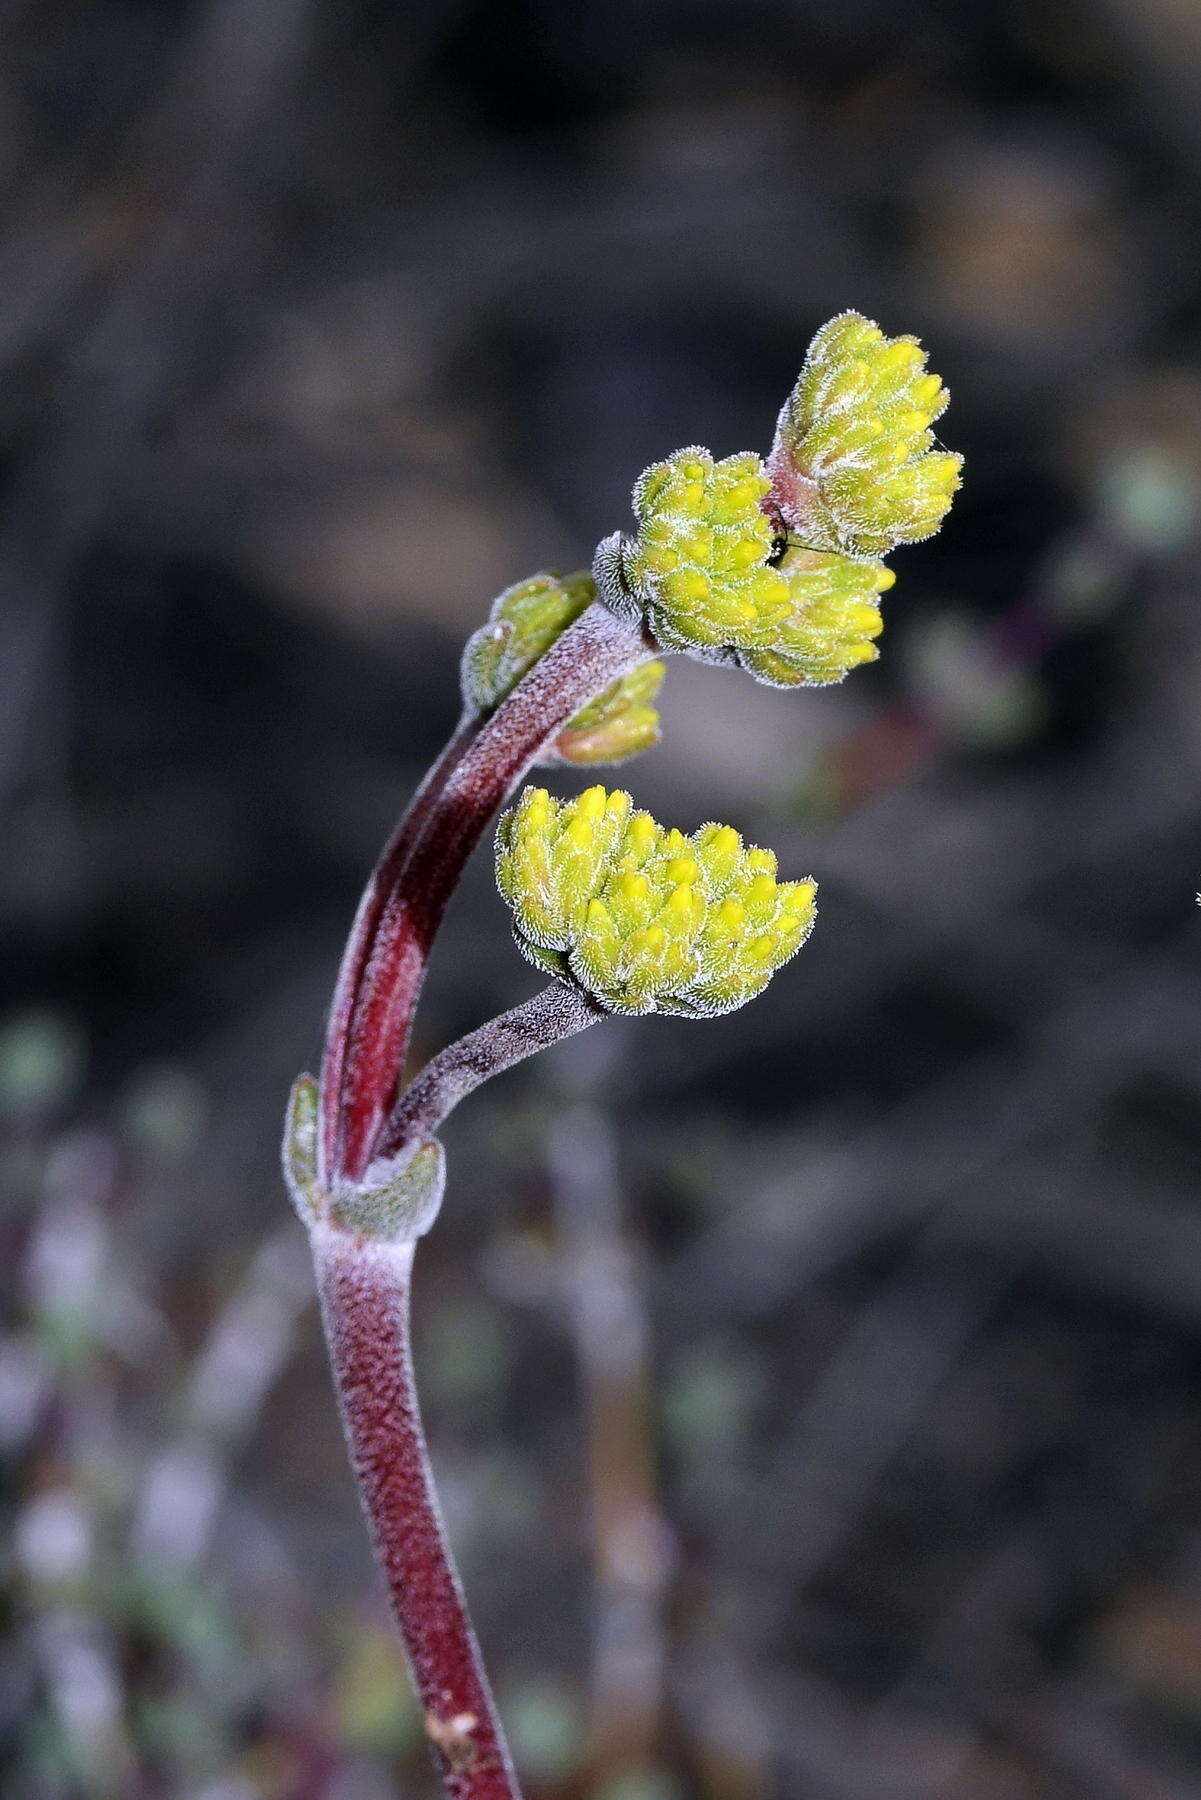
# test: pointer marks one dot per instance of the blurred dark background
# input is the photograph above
(816, 1394)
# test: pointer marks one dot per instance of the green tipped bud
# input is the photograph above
(618, 724)
(854, 466)
(641, 918)
(523, 624)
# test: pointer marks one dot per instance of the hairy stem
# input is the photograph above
(370, 1028)
(364, 1290)
(556, 1013)
(384, 877)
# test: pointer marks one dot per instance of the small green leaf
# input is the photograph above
(523, 624)
(300, 1148)
(403, 1205)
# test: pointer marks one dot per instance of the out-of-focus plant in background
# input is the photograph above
(318, 325)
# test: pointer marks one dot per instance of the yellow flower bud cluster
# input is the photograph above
(523, 624)
(715, 581)
(854, 467)
(700, 562)
(642, 918)
(833, 619)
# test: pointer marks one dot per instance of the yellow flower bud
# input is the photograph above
(643, 919)
(854, 467)
(832, 620)
(706, 519)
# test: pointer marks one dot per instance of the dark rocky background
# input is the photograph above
(817, 1394)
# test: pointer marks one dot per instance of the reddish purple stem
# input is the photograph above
(384, 877)
(365, 1305)
(402, 909)
(365, 1283)
(556, 1013)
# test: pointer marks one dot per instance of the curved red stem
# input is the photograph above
(384, 878)
(402, 909)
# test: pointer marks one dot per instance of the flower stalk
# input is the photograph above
(556, 1013)
(774, 568)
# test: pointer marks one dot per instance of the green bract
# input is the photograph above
(523, 624)
(854, 467)
(641, 918)
(619, 724)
